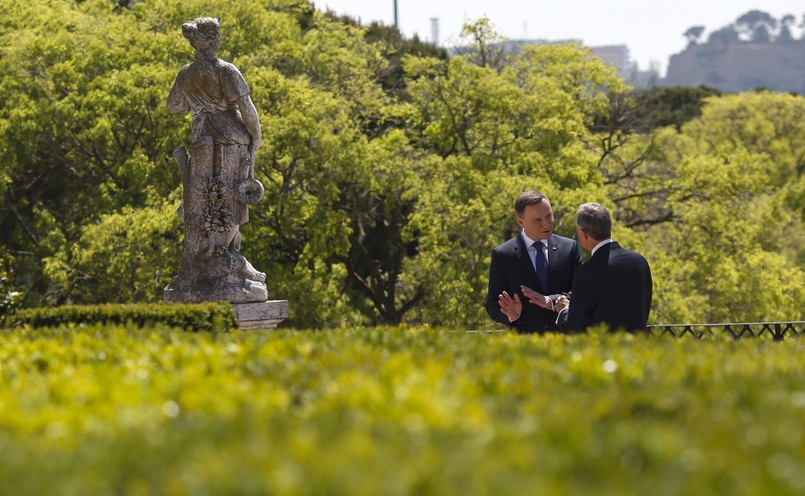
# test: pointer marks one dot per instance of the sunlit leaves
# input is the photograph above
(498, 132)
(385, 189)
(131, 255)
(730, 248)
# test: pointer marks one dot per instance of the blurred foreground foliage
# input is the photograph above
(126, 410)
(390, 169)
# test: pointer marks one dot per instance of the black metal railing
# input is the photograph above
(777, 330)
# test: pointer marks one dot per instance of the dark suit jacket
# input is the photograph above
(612, 287)
(511, 267)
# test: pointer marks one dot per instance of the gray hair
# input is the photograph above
(593, 219)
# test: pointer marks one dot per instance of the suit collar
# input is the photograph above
(528, 241)
(553, 253)
(606, 249)
(601, 245)
(522, 241)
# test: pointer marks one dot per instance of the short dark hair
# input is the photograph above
(527, 198)
(594, 219)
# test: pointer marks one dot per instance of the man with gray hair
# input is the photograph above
(614, 286)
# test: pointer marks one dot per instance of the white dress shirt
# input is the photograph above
(532, 250)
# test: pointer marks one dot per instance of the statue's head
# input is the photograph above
(203, 33)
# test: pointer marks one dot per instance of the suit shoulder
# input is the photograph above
(563, 241)
(558, 238)
(507, 246)
(622, 253)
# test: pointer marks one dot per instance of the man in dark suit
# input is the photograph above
(614, 286)
(536, 258)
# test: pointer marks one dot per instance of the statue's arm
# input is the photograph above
(177, 103)
(252, 121)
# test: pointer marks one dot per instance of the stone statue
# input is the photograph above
(217, 174)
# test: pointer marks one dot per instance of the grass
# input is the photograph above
(123, 410)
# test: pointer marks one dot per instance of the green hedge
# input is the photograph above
(208, 316)
(112, 410)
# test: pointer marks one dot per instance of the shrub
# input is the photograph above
(208, 316)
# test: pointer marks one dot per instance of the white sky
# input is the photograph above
(651, 29)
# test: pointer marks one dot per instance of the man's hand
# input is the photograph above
(537, 298)
(511, 307)
(562, 302)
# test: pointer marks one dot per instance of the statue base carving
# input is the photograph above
(222, 275)
(261, 315)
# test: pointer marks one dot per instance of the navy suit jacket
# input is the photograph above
(614, 288)
(511, 267)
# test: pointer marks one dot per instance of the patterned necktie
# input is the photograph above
(541, 264)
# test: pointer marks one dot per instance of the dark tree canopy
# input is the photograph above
(694, 34)
(757, 26)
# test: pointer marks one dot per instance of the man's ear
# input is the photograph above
(520, 221)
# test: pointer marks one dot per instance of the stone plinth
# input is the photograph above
(262, 314)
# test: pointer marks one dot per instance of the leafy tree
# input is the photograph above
(395, 47)
(627, 141)
(83, 127)
(785, 36)
(693, 34)
(725, 183)
(497, 133)
(384, 196)
(756, 26)
(127, 256)
(486, 47)
(377, 207)
(727, 35)
(670, 106)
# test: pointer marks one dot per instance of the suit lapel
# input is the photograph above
(553, 255)
(525, 260)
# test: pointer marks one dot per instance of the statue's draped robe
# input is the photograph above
(210, 94)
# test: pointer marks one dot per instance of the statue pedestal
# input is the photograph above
(261, 315)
